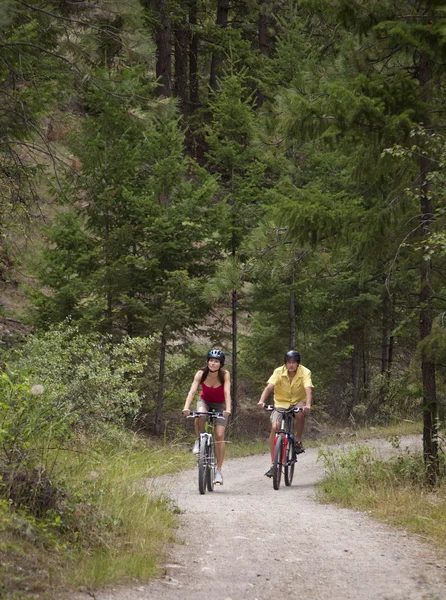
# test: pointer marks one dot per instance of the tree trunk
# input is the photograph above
(365, 370)
(234, 378)
(356, 373)
(193, 58)
(234, 309)
(163, 50)
(107, 263)
(159, 416)
(430, 407)
(263, 47)
(263, 39)
(180, 81)
(292, 344)
(387, 341)
(385, 335)
(221, 21)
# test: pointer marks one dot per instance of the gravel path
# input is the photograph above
(247, 541)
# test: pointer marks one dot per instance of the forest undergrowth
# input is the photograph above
(393, 490)
(103, 527)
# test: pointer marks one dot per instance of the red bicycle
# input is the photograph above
(285, 455)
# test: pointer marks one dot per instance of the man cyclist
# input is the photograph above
(292, 388)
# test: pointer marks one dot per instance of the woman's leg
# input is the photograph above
(220, 445)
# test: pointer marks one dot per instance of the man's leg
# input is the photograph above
(300, 424)
(274, 427)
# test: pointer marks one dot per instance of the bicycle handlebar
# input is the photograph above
(212, 414)
(294, 409)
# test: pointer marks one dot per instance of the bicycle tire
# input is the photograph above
(210, 471)
(202, 465)
(277, 465)
(290, 462)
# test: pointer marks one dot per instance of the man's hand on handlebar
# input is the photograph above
(261, 404)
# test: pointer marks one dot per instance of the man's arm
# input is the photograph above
(266, 392)
(309, 395)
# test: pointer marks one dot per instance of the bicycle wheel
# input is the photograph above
(210, 470)
(290, 461)
(277, 466)
(202, 465)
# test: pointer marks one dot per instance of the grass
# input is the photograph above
(239, 448)
(393, 490)
(139, 523)
(113, 529)
(335, 436)
(109, 527)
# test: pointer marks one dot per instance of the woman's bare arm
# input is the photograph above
(192, 391)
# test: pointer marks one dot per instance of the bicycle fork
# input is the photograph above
(206, 439)
(286, 441)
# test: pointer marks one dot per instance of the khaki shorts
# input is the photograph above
(217, 406)
(276, 415)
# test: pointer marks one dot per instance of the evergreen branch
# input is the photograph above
(53, 157)
(61, 17)
(75, 69)
(30, 44)
(115, 35)
(387, 281)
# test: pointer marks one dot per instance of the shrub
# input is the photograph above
(87, 376)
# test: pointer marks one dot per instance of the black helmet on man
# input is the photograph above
(218, 354)
(292, 355)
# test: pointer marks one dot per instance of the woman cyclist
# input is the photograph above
(215, 395)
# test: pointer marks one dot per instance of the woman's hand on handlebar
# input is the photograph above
(261, 404)
(186, 412)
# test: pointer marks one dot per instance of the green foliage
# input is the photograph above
(31, 421)
(103, 526)
(394, 490)
(88, 379)
(356, 470)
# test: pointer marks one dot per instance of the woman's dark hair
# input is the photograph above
(221, 374)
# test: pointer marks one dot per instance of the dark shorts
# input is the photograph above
(217, 406)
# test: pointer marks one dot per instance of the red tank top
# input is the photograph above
(213, 395)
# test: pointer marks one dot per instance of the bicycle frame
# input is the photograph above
(206, 458)
(284, 447)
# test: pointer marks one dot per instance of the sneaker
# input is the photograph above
(196, 448)
(299, 448)
(269, 473)
(218, 477)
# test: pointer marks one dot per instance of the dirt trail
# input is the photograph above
(247, 541)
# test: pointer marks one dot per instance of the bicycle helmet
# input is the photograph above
(292, 355)
(218, 354)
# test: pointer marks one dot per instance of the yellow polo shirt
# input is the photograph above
(286, 393)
